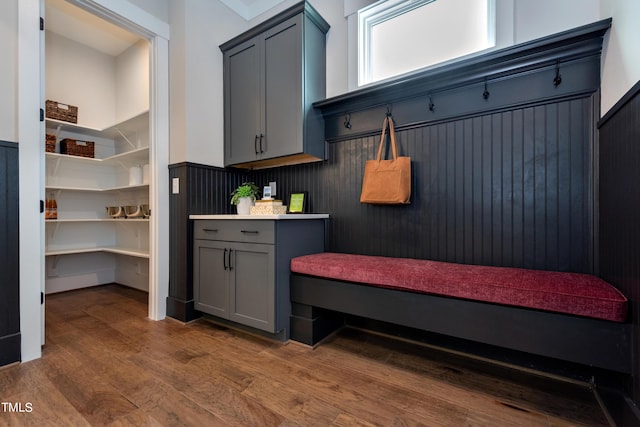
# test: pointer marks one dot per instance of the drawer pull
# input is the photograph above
(230, 266)
(210, 230)
(249, 231)
(224, 259)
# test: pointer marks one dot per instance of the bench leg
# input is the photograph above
(310, 325)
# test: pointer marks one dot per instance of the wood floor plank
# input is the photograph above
(209, 392)
(296, 406)
(409, 359)
(328, 384)
(106, 364)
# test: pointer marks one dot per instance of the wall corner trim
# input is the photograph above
(631, 93)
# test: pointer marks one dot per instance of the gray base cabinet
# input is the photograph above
(241, 268)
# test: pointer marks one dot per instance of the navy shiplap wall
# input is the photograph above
(511, 188)
(9, 260)
(503, 180)
(203, 190)
(619, 208)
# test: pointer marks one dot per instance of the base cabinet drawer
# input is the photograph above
(250, 231)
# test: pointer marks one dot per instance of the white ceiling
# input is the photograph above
(83, 27)
(249, 9)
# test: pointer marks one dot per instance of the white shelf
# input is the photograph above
(129, 158)
(71, 220)
(134, 123)
(97, 190)
(138, 253)
(61, 125)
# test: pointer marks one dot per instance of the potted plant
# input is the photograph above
(244, 197)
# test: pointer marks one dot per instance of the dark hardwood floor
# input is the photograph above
(105, 363)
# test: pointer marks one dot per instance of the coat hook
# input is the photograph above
(432, 106)
(558, 78)
(388, 110)
(485, 94)
(347, 120)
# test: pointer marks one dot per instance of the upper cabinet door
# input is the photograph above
(283, 92)
(242, 102)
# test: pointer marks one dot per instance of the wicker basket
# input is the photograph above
(60, 111)
(50, 143)
(76, 147)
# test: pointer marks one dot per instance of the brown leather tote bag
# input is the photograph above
(387, 182)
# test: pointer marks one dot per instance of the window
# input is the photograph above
(399, 36)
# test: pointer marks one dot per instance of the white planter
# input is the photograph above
(244, 205)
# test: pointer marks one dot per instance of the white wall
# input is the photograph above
(9, 70)
(333, 11)
(539, 18)
(178, 83)
(72, 68)
(621, 52)
(157, 8)
(106, 89)
(196, 74)
(197, 128)
(132, 81)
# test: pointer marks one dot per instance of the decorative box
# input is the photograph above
(60, 111)
(76, 147)
(50, 143)
(268, 207)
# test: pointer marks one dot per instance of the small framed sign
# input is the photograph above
(298, 202)
(266, 193)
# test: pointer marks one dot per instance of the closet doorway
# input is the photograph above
(111, 62)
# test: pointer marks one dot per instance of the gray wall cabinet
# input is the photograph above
(272, 75)
(241, 268)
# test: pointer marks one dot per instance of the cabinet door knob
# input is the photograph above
(255, 144)
(224, 259)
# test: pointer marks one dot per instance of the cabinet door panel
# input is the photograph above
(210, 277)
(252, 299)
(283, 89)
(242, 102)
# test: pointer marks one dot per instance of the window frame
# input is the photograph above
(385, 10)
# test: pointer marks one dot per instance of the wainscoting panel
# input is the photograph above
(9, 257)
(509, 188)
(203, 190)
(619, 208)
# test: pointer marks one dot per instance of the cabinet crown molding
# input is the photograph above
(301, 7)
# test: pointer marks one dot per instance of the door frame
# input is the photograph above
(31, 135)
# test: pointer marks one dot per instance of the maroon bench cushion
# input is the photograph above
(572, 293)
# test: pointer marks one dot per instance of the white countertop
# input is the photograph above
(277, 217)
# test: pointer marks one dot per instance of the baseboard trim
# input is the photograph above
(182, 310)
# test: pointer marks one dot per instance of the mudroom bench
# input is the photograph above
(568, 316)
